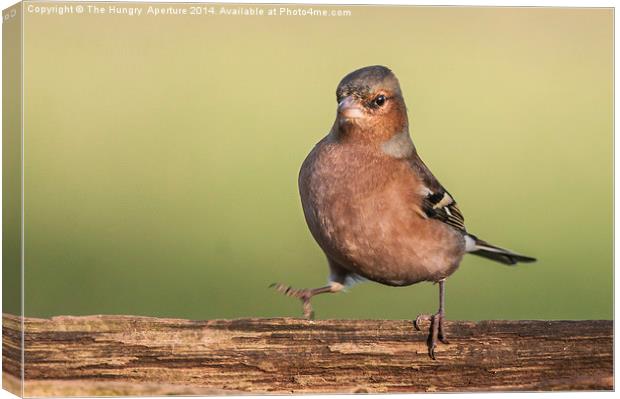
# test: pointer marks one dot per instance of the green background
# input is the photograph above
(11, 161)
(161, 157)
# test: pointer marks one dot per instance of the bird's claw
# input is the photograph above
(436, 331)
(307, 306)
(303, 295)
(431, 351)
(421, 317)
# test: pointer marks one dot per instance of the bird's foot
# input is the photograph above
(303, 295)
(436, 331)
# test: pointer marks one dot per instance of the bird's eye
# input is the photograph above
(379, 100)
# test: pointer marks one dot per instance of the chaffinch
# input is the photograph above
(375, 208)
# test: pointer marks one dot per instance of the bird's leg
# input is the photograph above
(436, 331)
(305, 294)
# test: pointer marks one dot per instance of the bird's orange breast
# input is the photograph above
(363, 211)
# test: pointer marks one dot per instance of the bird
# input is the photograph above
(375, 208)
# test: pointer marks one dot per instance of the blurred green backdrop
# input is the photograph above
(161, 157)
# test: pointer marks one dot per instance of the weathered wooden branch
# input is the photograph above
(128, 355)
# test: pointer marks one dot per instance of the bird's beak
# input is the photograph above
(350, 109)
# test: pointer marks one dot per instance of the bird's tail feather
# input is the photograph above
(476, 246)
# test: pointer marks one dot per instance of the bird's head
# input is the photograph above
(370, 104)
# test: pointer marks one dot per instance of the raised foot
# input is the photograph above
(436, 331)
(303, 295)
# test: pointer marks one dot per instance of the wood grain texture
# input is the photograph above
(129, 355)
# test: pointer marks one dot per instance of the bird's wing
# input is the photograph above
(437, 202)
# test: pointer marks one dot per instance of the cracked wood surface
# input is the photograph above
(130, 355)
